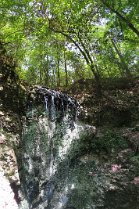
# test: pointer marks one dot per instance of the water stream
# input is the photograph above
(51, 148)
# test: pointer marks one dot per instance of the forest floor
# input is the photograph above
(118, 105)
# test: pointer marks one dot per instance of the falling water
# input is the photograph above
(46, 102)
(52, 109)
(50, 142)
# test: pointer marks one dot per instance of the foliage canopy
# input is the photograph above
(57, 42)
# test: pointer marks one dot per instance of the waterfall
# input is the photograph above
(52, 106)
(46, 102)
(50, 150)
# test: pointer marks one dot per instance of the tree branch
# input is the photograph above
(72, 40)
(130, 25)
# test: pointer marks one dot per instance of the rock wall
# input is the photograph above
(11, 109)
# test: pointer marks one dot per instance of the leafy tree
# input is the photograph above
(57, 42)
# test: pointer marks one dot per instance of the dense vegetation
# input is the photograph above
(57, 42)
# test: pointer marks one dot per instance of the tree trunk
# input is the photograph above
(58, 73)
(40, 71)
(87, 57)
(123, 63)
(66, 71)
(47, 73)
(97, 81)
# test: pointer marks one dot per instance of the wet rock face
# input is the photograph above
(50, 139)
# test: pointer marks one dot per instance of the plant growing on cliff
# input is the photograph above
(111, 142)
